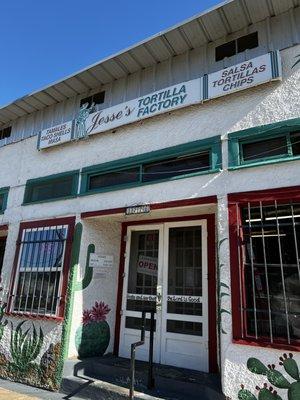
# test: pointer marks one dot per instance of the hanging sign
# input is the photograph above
(141, 297)
(242, 76)
(155, 103)
(147, 265)
(58, 134)
(184, 299)
(100, 261)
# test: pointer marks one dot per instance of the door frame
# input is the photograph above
(211, 278)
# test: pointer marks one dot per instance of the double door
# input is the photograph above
(166, 271)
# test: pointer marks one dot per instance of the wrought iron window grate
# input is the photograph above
(269, 271)
(39, 271)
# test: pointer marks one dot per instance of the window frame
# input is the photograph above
(212, 144)
(261, 133)
(4, 192)
(31, 183)
(235, 203)
(70, 222)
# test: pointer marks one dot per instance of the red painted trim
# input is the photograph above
(261, 343)
(155, 206)
(235, 201)
(212, 301)
(120, 290)
(3, 227)
(70, 221)
(33, 316)
(292, 192)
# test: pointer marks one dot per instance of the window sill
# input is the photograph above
(49, 200)
(277, 346)
(140, 184)
(33, 316)
(266, 162)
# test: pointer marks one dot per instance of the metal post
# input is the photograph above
(132, 361)
(151, 381)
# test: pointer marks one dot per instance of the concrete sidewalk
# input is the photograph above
(16, 391)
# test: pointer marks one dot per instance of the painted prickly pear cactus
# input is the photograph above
(92, 338)
(275, 378)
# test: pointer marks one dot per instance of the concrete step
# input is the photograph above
(109, 377)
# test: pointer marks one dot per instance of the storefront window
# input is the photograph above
(269, 271)
(38, 285)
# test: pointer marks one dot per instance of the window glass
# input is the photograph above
(295, 141)
(50, 189)
(1, 202)
(264, 148)
(226, 50)
(176, 167)
(271, 245)
(5, 133)
(114, 178)
(239, 45)
(247, 42)
(39, 270)
(97, 98)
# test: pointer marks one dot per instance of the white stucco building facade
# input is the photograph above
(191, 209)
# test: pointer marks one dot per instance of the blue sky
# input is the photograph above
(46, 40)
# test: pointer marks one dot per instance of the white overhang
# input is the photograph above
(227, 17)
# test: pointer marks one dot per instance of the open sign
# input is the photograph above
(147, 265)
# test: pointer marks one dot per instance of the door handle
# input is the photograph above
(158, 298)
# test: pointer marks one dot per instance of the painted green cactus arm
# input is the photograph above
(88, 273)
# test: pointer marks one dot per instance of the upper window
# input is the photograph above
(5, 133)
(97, 98)
(3, 199)
(239, 45)
(164, 164)
(268, 271)
(177, 166)
(39, 285)
(270, 143)
(51, 188)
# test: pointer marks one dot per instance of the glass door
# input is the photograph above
(166, 271)
(142, 281)
(184, 337)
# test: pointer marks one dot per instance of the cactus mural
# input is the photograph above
(297, 62)
(2, 323)
(92, 338)
(24, 348)
(275, 378)
(19, 362)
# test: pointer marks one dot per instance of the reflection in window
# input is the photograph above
(39, 270)
(271, 244)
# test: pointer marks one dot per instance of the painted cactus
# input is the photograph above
(92, 338)
(2, 323)
(24, 348)
(275, 378)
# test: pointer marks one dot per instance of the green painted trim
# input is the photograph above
(4, 192)
(49, 200)
(31, 183)
(88, 273)
(235, 139)
(179, 150)
(137, 184)
(266, 162)
(66, 329)
(213, 145)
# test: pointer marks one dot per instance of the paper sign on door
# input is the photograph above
(147, 265)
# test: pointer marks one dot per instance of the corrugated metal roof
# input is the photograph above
(225, 18)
